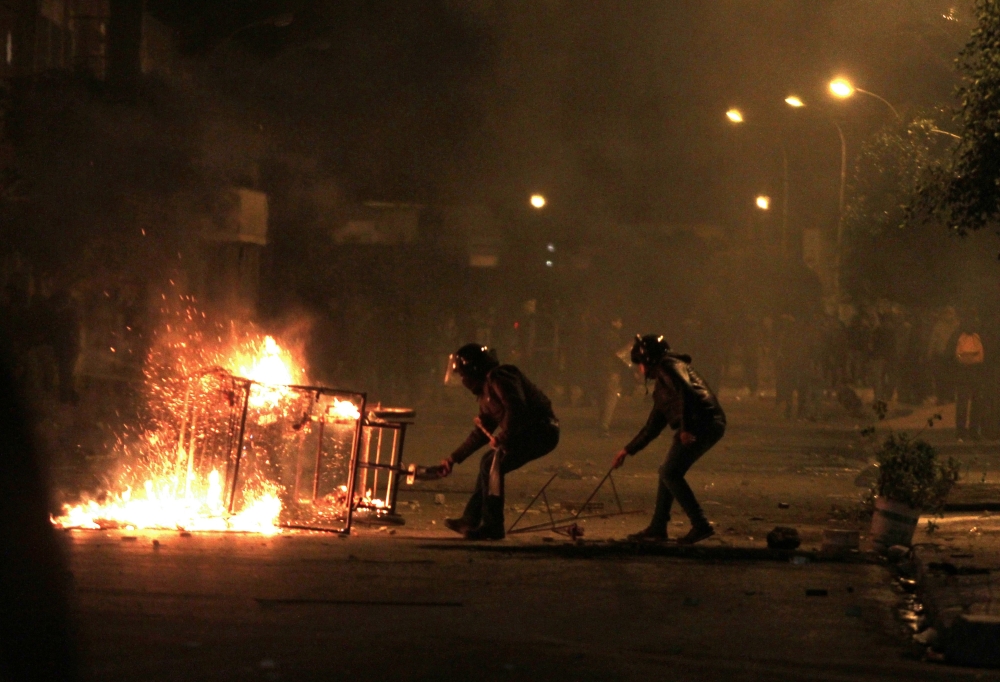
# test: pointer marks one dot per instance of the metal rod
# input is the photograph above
(239, 449)
(319, 461)
(298, 466)
(320, 529)
(584, 505)
(565, 523)
(537, 495)
(548, 509)
(394, 478)
(355, 447)
(184, 424)
(614, 488)
(366, 447)
(390, 476)
(191, 448)
(378, 460)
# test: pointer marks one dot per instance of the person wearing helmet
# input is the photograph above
(683, 401)
(515, 419)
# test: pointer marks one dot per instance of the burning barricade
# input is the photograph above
(233, 439)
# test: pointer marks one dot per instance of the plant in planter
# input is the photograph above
(910, 479)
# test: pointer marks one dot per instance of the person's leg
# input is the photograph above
(473, 514)
(678, 462)
(976, 404)
(657, 528)
(961, 407)
(530, 446)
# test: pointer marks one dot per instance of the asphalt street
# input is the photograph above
(415, 602)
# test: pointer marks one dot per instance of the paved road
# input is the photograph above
(373, 606)
(414, 602)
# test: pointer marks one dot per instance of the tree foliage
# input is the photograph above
(891, 250)
(966, 193)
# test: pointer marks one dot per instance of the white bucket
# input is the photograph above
(893, 523)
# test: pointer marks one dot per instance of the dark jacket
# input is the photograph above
(681, 400)
(509, 406)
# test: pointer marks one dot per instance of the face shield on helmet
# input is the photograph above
(452, 376)
(625, 355)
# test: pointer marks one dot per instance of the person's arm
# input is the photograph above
(653, 427)
(475, 440)
(509, 392)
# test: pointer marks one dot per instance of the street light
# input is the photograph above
(837, 86)
(843, 88)
(537, 200)
(764, 202)
(736, 116)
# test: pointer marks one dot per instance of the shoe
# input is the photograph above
(697, 534)
(491, 527)
(649, 535)
(461, 525)
(485, 532)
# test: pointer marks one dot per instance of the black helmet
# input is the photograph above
(472, 361)
(649, 349)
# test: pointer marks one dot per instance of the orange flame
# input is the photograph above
(154, 492)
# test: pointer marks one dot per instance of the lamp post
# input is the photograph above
(843, 89)
(735, 116)
(796, 103)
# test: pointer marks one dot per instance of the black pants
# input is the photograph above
(968, 402)
(672, 484)
(530, 445)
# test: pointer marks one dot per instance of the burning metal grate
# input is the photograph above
(242, 444)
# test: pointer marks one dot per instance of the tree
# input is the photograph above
(896, 248)
(965, 194)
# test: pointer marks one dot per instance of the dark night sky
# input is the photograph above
(614, 109)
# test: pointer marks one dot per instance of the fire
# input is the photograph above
(161, 508)
(271, 367)
(169, 477)
(344, 410)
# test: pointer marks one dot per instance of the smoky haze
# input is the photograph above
(439, 119)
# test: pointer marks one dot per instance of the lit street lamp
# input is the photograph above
(843, 88)
(736, 117)
(764, 202)
(838, 86)
(537, 200)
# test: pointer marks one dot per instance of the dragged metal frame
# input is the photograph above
(567, 526)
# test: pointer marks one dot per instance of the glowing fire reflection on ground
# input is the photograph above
(156, 486)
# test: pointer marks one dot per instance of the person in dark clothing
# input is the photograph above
(517, 421)
(968, 376)
(37, 640)
(683, 401)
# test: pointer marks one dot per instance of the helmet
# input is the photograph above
(649, 349)
(471, 361)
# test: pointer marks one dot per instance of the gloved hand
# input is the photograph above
(619, 458)
(446, 466)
